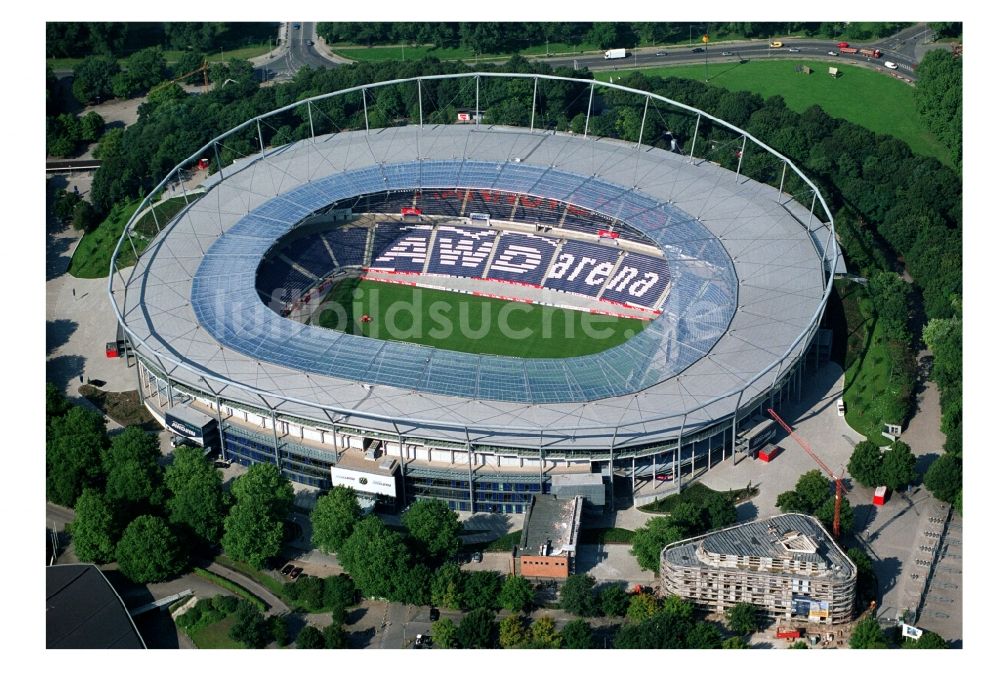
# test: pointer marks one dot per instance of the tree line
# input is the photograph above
(484, 37)
(149, 518)
(119, 39)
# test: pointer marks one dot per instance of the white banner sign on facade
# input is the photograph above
(363, 482)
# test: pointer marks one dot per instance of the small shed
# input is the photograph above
(880, 495)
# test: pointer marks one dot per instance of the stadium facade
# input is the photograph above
(733, 275)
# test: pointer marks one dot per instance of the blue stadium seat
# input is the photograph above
(521, 258)
(461, 251)
(400, 247)
(639, 280)
(582, 267)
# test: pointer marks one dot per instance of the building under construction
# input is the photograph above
(787, 565)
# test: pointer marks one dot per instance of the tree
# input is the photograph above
(133, 476)
(91, 127)
(641, 607)
(92, 79)
(577, 635)
(148, 552)
(867, 635)
(577, 595)
(477, 630)
(84, 216)
(899, 466)
(517, 594)
(649, 540)
(56, 404)
(544, 634)
(196, 499)
(279, 630)
(890, 295)
(944, 477)
(513, 632)
(254, 528)
(446, 586)
(866, 575)
(434, 527)
(334, 518)
(927, 641)
(614, 601)
(790, 501)
(251, 628)
(143, 69)
(482, 590)
(865, 464)
(720, 511)
(704, 636)
(334, 637)
(742, 618)
(445, 633)
(339, 591)
(93, 530)
(687, 516)
(826, 511)
(800, 645)
(736, 643)
(73, 454)
(310, 638)
(813, 489)
(374, 556)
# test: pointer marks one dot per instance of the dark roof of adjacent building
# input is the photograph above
(83, 610)
(553, 523)
(797, 537)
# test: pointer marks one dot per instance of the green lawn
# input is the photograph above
(466, 323)
(408, 53)
(165, 211)
(867, 361)
(865, 97)
(216, 635)
(92, 257)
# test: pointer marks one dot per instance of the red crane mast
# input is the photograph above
(805, 447)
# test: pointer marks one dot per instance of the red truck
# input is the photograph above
(873, 53)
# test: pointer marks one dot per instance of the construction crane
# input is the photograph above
(837, 480)
(203, 69)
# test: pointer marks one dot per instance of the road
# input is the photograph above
(295, 53)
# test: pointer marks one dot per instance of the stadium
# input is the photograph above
(712, 285)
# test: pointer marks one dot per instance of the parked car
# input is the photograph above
(221, 464)
(310, 43)
(890, 65)
(296, 572)
(287, 569)
(435, 615)
(296, 26)
(477, 557)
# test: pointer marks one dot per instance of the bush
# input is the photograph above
(225, 603)
(279, 630)
(614, 601)
(251, 628)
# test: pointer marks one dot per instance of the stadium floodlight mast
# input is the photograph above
(178, 365)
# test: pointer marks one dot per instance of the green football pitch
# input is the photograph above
(466, 323)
